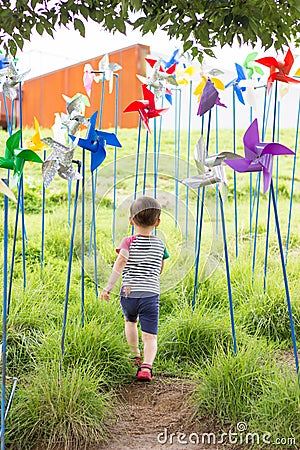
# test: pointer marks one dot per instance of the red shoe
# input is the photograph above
(136, 360)
(144, 375)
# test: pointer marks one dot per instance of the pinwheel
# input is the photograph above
(75, 116)
(184, 74)
(3, 61)
(146, 108)
(107, 69)
(250, 67)
(258, 155)
(279, 70)
(96, 142)
(59, 131)
(35, 143)
(88, 78)
(241, 75)
(84, 100)
(208, 73)
(159, 79)
(11, 80)
(4, 189)
(209, 98)
(59, 162)
(210, 168)
(15, 156)
(172, 60)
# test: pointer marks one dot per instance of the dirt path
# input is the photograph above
(148, 413)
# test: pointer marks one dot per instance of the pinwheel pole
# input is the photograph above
(4, 322)
(177, 148)
(234, 177)
(115, 159)
(188, 161)
(145, 162)
(199, 218)
(82, 237)
(292, 187)
(24, 237)
(258, 182)
(285, 278)
(64, 326)
(13, 253)
(269, 199)
(228, 274)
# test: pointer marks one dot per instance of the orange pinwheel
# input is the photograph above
(279, 70)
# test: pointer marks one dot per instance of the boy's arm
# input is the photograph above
(162, 265)
(118, 268)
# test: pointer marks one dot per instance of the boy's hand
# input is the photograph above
(104, 295)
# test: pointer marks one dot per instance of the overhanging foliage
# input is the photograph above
(200, 24)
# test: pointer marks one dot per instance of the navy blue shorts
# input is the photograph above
(146, 309)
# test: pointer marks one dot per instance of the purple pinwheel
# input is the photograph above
(241, 75)
(258, 155)
(96, 142)
(210, 97)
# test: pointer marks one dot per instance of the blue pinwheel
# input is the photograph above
(241, 75)
(96, 142)
(172, 60)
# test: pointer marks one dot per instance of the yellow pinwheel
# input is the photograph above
(183, 75)
(35, 143)
(218, 84)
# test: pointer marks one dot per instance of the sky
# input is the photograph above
(44, 54)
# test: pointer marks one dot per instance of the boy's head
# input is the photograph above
(145, 212)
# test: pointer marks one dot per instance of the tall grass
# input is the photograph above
(53, 409)
(231, 385)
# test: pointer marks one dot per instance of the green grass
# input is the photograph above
(49, 407)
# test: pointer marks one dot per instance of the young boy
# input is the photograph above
(140, 261)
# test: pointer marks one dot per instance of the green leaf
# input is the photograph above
(19, 40)
(187, 45)
(120, 25)
(78, 25)
(12, 47)
(109, 22)
(39, 28)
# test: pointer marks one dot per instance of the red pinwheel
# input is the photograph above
(146, 108)
(279, 70)
(258, 155)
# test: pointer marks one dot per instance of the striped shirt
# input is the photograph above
(143, 267)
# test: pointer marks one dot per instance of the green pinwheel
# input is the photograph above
(15, 156)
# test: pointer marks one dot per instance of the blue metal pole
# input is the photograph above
(69, 269)
(4, 322)
(115, 160)
(228, 274)
(286, 285)
(292, 187)
(188, 162)
(234, 178)
(269, 202)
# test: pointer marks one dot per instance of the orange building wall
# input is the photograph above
(42, 96)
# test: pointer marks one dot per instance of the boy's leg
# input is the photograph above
(132, 337)
(150, 348)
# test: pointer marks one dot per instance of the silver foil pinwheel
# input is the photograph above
(210, 169)
(59, 162)
(75, 115)
(11, 80)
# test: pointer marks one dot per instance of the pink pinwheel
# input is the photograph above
(146, 108)
(279, 70)
(209, 98)
(88, 78)
(258, 155)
